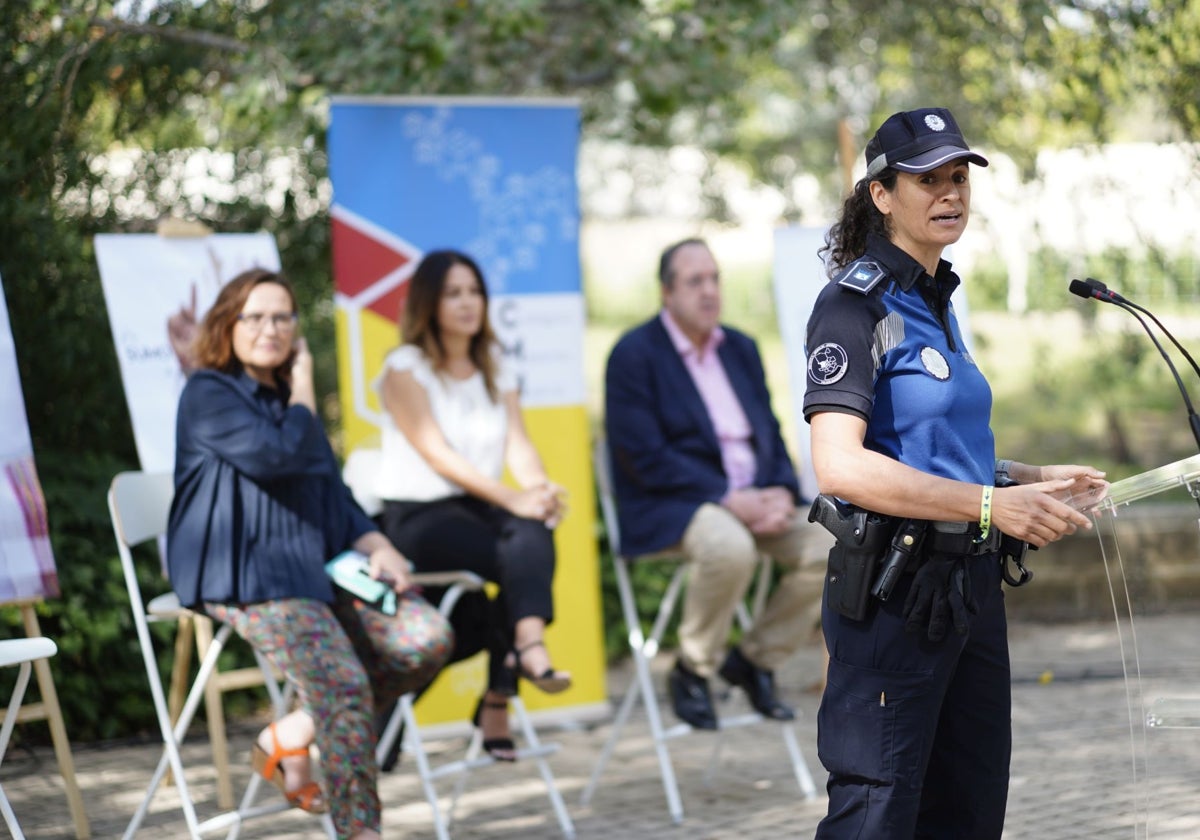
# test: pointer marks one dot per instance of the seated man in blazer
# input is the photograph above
(698, 462)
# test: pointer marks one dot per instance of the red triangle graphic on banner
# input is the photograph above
(392, 304)
(359, 260)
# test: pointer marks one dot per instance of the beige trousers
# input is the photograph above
(724, 557)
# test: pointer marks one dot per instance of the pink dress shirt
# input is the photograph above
(727, 415)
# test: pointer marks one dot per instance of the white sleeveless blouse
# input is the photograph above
(472, 424)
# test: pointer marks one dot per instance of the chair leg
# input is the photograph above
(185, 633)
(632, 692)
(183, 664)
(391, 731)
(714, 759)
(10, 720)
(642, 649)
(58, 730)
(556, 800)
(62, 747)
(412, 736)
(215, 711)
(799, 765)
(173, 732)
(9, 817)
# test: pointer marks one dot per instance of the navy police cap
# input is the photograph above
(918, 141)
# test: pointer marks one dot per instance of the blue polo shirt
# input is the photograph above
(883, 344)
(259, 501)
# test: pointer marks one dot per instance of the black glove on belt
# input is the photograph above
(941, 592)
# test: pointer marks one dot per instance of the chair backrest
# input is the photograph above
(360, 472)
(604, 488)
(139, 503)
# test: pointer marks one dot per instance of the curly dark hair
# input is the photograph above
(847, 238)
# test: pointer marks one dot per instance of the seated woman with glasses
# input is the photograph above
(453, 423)
(259, 508)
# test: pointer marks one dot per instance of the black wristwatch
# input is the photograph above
(1003, 479)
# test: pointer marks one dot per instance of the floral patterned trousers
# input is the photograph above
(344, 660)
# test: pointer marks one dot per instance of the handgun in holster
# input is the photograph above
(862, 539)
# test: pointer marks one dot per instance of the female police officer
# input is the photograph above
(914, 726)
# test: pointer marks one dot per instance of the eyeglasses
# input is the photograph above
(283, 322)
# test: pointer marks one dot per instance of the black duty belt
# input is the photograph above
(961, 538)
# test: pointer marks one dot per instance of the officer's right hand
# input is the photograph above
(1031, 512)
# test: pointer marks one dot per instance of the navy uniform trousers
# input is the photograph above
(917, 735)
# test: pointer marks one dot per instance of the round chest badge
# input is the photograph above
(827, 364)
(935, 363)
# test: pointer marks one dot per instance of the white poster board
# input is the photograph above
(26, 560)
(799, 275)
(157, 289)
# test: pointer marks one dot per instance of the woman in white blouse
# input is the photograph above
(454, 422)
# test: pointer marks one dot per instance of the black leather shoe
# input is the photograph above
(691, 698)
(758, 683)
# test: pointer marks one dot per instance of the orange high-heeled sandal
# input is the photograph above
(308, 796)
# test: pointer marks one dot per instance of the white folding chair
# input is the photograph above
(21, 652)
(359, 471)
(139, 503)
(643, 649)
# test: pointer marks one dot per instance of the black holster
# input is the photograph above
(862, 539)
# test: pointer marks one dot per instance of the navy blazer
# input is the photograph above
(666, 459)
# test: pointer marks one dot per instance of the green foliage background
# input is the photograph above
(763, 84)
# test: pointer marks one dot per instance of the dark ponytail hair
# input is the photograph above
(847, 239)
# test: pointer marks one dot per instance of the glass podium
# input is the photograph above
(1148, 528)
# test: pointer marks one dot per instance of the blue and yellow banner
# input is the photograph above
(496, 179)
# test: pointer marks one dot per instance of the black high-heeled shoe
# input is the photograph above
(549, 681)
(501, 749)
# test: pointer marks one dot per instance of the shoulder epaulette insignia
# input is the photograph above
(862, 276)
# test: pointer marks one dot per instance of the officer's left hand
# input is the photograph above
(1089, 488)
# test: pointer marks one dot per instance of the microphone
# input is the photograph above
(1108, 295)
(1095, 289)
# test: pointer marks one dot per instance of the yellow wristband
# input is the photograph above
(985, 512)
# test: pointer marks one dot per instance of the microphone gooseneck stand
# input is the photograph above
(1098, 291)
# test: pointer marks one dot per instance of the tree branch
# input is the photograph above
(171, 33)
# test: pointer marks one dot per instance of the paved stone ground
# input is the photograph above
(1074, 763)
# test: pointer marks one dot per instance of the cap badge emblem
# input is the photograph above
(935, 122)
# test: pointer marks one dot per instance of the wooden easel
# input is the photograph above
(49, 710)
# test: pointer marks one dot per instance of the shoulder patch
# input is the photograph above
(861, 276)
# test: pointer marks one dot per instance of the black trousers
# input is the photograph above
(917, 735)
(463, 532)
